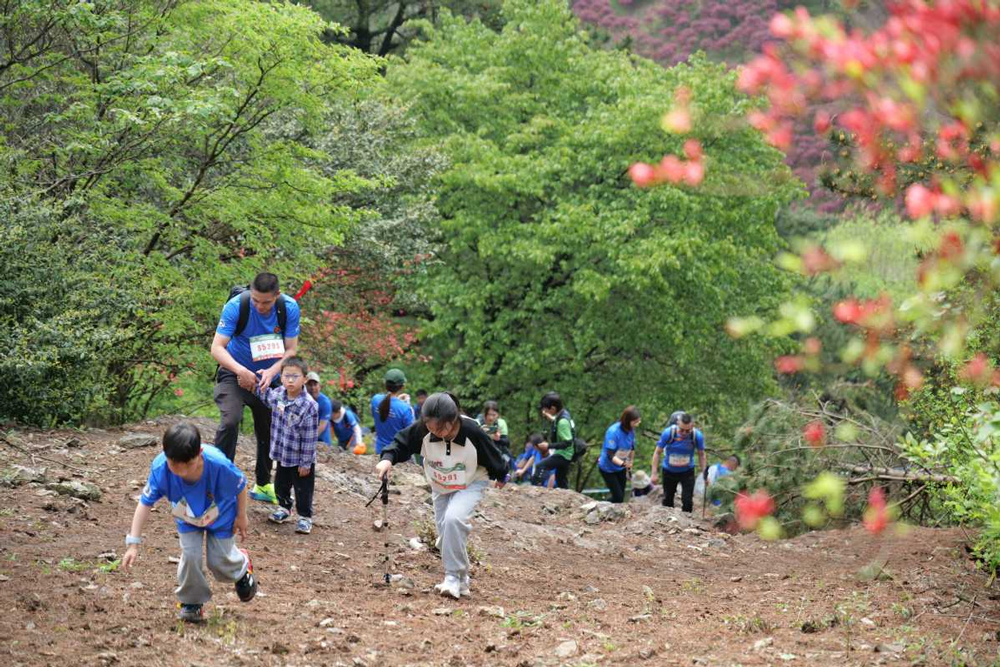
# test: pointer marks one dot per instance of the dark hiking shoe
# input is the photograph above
(246, 587)
(190, 613)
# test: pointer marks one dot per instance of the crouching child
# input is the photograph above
(208, 498)
(459, 459)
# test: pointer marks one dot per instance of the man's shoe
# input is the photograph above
(279, 515)
(304, 526)
(190, 613)
(265, 493)
(246, 587)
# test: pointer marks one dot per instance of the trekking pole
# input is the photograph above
(384, 492)
(704, 494)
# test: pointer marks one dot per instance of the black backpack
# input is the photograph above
(579, 444)
(243, 291)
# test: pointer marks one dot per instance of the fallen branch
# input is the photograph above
(895, 475)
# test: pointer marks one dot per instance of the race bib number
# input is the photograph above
(679, 460)
(183, 512)
(269, 346)
(451, 478)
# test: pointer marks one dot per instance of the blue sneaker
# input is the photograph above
(280, 515)
(264, 494)
(304, 526)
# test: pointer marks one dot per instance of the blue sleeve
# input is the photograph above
(325, 408)
(153, 490)
(230, 316)
(610, 443)
(699, 440)
(407, 415)
(664, 438)
(230, 481)
(351, 418)
(292, 315)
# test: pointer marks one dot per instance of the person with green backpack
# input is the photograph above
(559, 450)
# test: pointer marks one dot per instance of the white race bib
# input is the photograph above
(268, 346)
(679, 460)
(183, 512)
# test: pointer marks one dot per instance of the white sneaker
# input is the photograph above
(450, 587)
(463, 588)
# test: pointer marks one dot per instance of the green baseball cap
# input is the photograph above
(395, 376)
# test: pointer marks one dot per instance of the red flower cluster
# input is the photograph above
(876, 517)
(815, 434)
(751, 509)
(927, 55)
(671, 169)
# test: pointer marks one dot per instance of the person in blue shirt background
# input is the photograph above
(677, 446)
(391, 410)
(525, 462)
(618, 452)
(346, 426)
(252, 358)
(325, 407)
(713, 473)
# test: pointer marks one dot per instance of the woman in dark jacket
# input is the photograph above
(459, 459)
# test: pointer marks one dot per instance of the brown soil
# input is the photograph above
(656, 587)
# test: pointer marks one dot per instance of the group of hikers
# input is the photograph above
(256, 346)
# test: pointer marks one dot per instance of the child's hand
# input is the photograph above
(304, 471)
(241, 525)
(131, 555)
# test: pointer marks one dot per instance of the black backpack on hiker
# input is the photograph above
(579, 444)
(243, 291)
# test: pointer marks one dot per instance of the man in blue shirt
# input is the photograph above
(325, 407)
(677, 446)
(252, 357)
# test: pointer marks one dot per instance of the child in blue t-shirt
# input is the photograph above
(208, 497)
(346, 426)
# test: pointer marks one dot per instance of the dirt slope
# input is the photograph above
(653, 587)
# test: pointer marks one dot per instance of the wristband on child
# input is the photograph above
(130, 540)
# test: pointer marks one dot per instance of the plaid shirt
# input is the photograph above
(294, 427)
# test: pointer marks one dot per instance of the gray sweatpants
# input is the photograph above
(451, 514)
(225, 561)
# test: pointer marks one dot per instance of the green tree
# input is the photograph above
(555, 272)
(170, 144)
(382, 27)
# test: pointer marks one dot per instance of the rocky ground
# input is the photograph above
(557, 581)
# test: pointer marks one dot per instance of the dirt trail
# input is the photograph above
(653, 587)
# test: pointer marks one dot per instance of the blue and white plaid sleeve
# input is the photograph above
(309, 434)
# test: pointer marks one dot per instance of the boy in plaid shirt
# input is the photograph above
(294, 431)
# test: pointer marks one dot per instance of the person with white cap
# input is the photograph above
(641, 484)
(325, 407)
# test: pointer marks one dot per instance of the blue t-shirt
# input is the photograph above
(325, 412)
(262, 331)
(400, 416)
(208, 504)
(615, 439)
(678, 455)
(345, 429)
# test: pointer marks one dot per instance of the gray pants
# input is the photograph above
(225, 561)
(451, 514)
